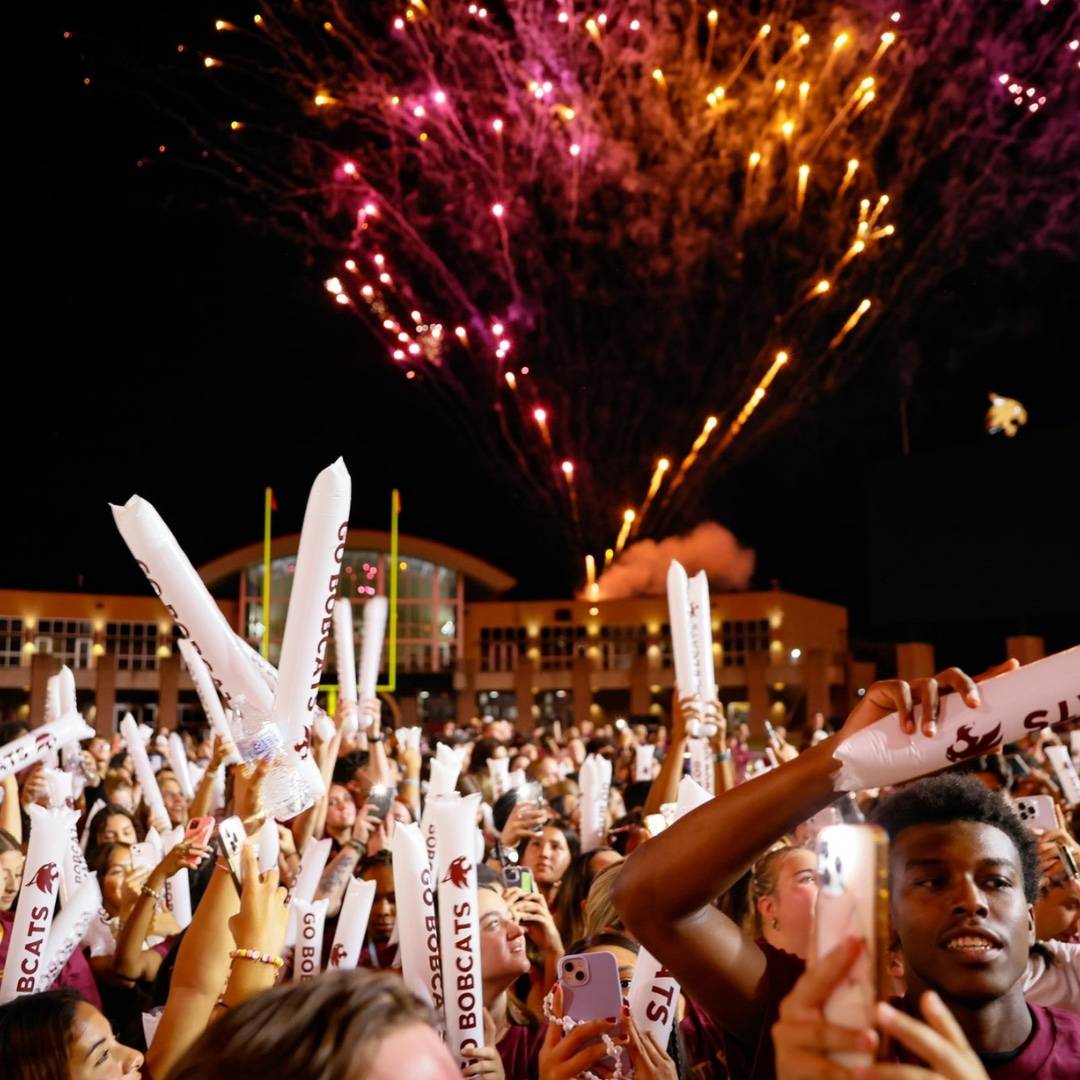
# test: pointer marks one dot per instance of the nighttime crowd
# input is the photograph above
(710, 879)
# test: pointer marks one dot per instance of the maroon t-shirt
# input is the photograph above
(702, 1044)
(519, 1049)
(749, 1052)
(74, 975)
(1051, 1052)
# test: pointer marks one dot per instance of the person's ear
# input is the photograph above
(766, 906)
(1031, 925)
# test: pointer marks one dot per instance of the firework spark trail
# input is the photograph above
(645, 199)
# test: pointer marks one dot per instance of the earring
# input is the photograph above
(775, 924)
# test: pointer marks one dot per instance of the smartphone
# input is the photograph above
(591, 991)
(381, 796)
(198, 831)
(142, 856)
(531, 792)
(770, 733)
(230, 840)
(1037, 812)
(519, 877)
(1066, 856)
(823, 819)
(853, 901)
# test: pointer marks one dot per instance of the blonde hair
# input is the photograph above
(764, 878)
(600, 911)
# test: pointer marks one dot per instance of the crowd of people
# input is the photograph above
(984, 947)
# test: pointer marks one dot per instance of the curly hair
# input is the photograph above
(318, 1030)
(939, 800)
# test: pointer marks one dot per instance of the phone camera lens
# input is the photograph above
(579, 975)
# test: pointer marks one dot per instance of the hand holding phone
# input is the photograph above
(230, 840)
(853, 902)
(381, 796)
(198, 832)
(591, 990)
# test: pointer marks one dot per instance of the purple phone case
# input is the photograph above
(598, 996)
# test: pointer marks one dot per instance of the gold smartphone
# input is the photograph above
(853, 901)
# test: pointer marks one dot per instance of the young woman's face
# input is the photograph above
(340, 808)
(176, 805)
(547, 856)
(112, 882)
(794, 898)
(94, 1053)
(117, 829)
(11, 869)
(502, 940)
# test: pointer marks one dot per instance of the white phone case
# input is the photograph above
(1037, 812)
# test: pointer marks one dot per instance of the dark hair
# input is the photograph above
(8, 842)
(369, 862)
(94, 841)
(308, 1030)
(939, 800)
(35, 1031)
(483, 749)
(346, 766)
(503, 808)
(573, 892)
(636, 794)
(99, 859)
(571, 838)
(604, 940)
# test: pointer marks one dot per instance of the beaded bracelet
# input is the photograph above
(258, 957)
(147, 891)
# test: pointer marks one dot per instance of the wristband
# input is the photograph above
(147, 891)
(411, 780)
(355, 844)
(724, 756)
(258, 957)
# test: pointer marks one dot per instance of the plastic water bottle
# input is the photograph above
(284, 793)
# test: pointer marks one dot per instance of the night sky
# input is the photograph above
(170, 350)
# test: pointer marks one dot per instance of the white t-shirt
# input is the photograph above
(1056, 985)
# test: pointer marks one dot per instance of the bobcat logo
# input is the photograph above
(968, 745)
(1005, 416)
(41, 740)
(302, 747)
(458, 872)
(46, 877)
(337, 954)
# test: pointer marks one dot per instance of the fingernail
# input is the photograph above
(973, 699)
(886, 1011)
(931, 727)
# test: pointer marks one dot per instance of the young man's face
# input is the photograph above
(959, 910)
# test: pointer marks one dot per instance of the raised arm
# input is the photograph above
(666, 888)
